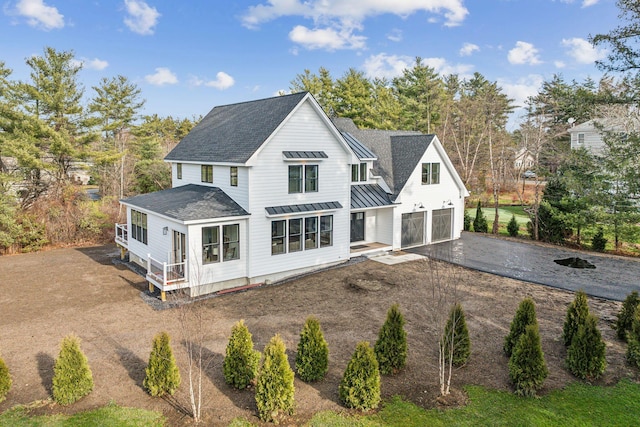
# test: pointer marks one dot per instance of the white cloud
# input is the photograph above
(559, 64)
(395, 35)
(468, 48)
(223, 81)
(141, 17)
(524, 53)
(326, 38)
(163, 76)
(90, 64)
(520, 91)
(585, 3)
(443, 68)
(390, 66)
(40, 15)
(583, 51)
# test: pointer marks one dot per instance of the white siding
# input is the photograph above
(592, 141)
(158, 244)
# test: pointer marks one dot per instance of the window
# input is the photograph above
(206, 173)
(326, 231)
(278, 235)
(179, 170)
(210, 245)
(139, 226)
(581, 138)
(233, 176)
(355, 176)
(311, 178)
(295, 235)
(311, 232)
(359, 172)
(295, 179)
(430, 173)
(363, 171)
(231, 241)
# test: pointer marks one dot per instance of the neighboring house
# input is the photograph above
(590, 133)
(267, 189)
(523, 159)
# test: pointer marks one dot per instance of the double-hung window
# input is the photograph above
(326, 231)
(295, 235)
(310, 178)
(210, 245)
(233, 176)
(206, 173)
(359, 172)
(278, 236)
(231, 241)
(581, 138)
(178, 170)
(139, 226)
(295, 179)
(311, 232)
(303, 179)
(430, 173)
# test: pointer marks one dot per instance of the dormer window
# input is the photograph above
(359, 172)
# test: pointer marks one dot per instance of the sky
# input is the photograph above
(191, 55)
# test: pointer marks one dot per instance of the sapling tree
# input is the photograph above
(241, 361)
(456, 337)
(360, 385)
(391, 346)
(274, 387)
(161, 374)
(633, 340)
(586, 356)
(480, 224)
(527, 367)
(72, 378)
(626, 314)
(525, 316)
(577, 313)
(5, 380)
(312, 358)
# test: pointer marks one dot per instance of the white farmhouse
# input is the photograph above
(272, 188)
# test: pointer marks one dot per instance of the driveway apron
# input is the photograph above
(613, 278)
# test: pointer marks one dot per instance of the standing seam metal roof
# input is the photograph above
(369, 196)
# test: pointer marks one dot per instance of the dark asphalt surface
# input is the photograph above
(613, 278)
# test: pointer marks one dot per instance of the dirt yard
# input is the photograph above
(45, 296)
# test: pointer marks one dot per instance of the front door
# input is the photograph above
(357, 226)
(412, 229)
(178, 251)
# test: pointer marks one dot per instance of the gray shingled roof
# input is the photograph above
(304, 207)
(232, 133)
(188, 203)
(369, 196)
(398, 152)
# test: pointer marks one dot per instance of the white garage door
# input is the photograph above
(441, 225)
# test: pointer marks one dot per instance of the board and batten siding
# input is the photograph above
(303, 131)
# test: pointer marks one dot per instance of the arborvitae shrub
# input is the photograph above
(312, 359)
(456, 328)
(625, 316)
(586, 356)
(512, 227)
(274, 389)
(577, 313)
(241, 361)
(525, 315)
(162, 374)
(360, 385)
(72, 378)
(598, 242)
(5, 380)
(480, 224)
(467, 221)
(391, 347)
(633, 340)
(527, 368)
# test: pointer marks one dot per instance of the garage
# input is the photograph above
(441, 222)
(412, 229)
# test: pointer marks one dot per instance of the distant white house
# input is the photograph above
(523, 159)
(266, 189)
(589, 135)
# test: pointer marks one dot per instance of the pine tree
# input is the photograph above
(456, 329)
(391, 347)
(312, 359)
(480, 224)
(633, 340)
(162, 374)
(5, 380)
(586, 356)
(274, 388)
(527, 367)
(72, 378)
(599, 243)
(625, 316)
(360, 385)
(525, 315)
(577, 313)
(241, 361)
(512, 227)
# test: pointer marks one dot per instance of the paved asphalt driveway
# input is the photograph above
(613, 278)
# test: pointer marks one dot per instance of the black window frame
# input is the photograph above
(310, 232)
(178, 170)
(206, 174)
(139, 228)
(230, 248)
(326, 231)
(294, 237)
(296, 182)
(233, 176)
(210, 247)
(278, 237)
(311, 178)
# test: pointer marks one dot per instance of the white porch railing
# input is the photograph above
(122, 235)
(166, 276)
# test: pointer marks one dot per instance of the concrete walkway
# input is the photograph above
(613, 278)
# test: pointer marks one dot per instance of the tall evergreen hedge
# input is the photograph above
(525, 315)
(586, 356)
(312, 358)
(391, 346)
(161, 374)
(456, 329)
(274, 388)
(625, 315)
(577, 313)
(360, 385)
(72, 378)
(633, 340)
(5, 380)
(527, 367)
(241, 361)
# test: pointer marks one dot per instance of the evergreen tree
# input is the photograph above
(577, 313)
(633, 340)
(586, 357)
(598, 243)
(480, 224)
(391, 347)
(467, 221)
(525, 315)
(312, 359)
(527, 367)
(241, 361)
(162, 374)
(360, 385)
(274, 388)
(5, 380)
(625, 315)
(512, 227)
(456, 331)
(72, 378)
